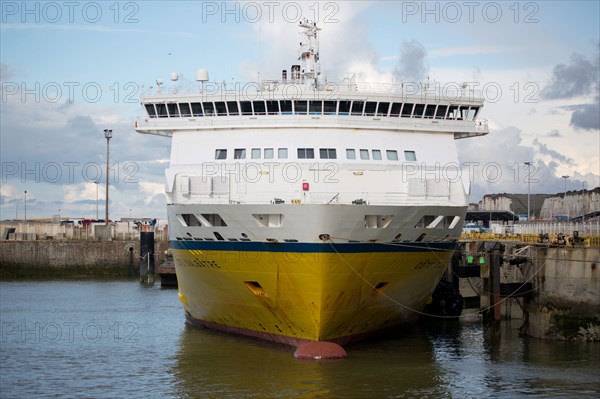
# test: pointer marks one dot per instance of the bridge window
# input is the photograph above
(429, 111)
(475, 111)
(209, 109)
(344, 107)
(282, 153)
(357, 107)
(221, 108)
(382, 109)
(239, 153)
(306, 153)
(246, 107)
(407, 110)
(197, 109)
(185, 109)
(395, 109)
(286, 107)
(259, 108)
(221, 153)
(150, 110)
(269, 154)
(441, 111)
(173, 110)
(418, 112)
(255, 154)
(273, 107)
(315, 107)
(329, 107)
(327, 153)
(452, 112)
(463, 113)
(377, 155)
(350, 153)
(232, 107)
(300, 107)
(370, 107)
(364, 154)
(161, 110)
(410, 156)
(392, 155)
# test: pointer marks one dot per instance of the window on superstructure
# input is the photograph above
(185, 109)
(239, 153)
(463, 113)
(150, 110)
(161, 110)
(255, 154)
(173, 110)
(452, 112)
(364, 154)
(392, 155)
(306, 153)
(327, 153)
(357, 107)
(407, 110)
(286, 107)
(395, 111)
(232, 107)
(269, 153)
(471, 114)
(197, 109)
(221, 153)
(344, 107)
(273, 107)
(315, 107)
(209, 108)
(300, 107)
(246, 107)
(259, 107)
(475, 112)
(377, 155)
(221, 108)
(282, 153)
(441, 111)
(350, 153)
(418, 112)
(382, 109)
(429, 111)
(329, 107)
(370, 108)
(410, 156)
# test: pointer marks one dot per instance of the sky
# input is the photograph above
(69, 70)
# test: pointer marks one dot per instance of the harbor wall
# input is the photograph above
(566, 304)
(63, 258)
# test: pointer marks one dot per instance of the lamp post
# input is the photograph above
(565, 197)
(25, 206)
(528, 189)
(97, 183)
(108, 135)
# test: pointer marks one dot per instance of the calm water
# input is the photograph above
(115, 339)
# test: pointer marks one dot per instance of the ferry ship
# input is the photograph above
(306, 211)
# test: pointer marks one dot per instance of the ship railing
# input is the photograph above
(448, 91)
(322, 198)
(385, 122)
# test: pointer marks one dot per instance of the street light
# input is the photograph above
(25, 206)
(528, 189)
(108, 135)
(565, 197)
(97, 183)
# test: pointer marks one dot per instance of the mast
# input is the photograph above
(309, 52)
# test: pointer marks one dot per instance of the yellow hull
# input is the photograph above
(293, 297)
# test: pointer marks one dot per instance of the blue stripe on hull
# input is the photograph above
(311, 247)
